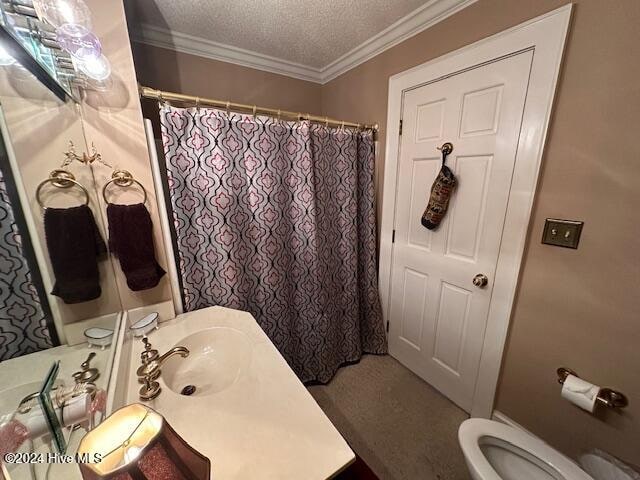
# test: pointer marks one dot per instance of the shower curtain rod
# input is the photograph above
(161, 95)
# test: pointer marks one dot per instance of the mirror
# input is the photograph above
(71, 405)
(52, 312)
(37, 129)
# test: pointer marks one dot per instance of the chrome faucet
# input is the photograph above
(149, 371)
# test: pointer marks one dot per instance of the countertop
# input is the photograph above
(264, 426)
(23, 375)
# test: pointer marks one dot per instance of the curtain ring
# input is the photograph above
(326, 122)
(254, 111)
(342, 125)
(278, 114)
(228, 108)
(198, 103)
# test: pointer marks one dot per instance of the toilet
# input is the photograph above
(603, 466)
(495, 451)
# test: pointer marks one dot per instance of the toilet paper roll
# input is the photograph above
(580, 393)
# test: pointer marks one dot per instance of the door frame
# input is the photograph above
(546, 36)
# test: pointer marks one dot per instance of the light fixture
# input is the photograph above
(78, 41)
(60, 12)
(136, 442)
(5, 57)
(97, 68)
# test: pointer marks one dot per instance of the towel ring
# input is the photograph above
(122, 178)
(61, 179)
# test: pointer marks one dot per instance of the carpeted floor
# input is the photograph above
(398, 424)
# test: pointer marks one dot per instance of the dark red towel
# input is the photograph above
(74, 245)
(131, 240)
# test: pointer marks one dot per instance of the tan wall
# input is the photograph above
(180, 72)
(113, 121)
(39, 129)
(575, 308)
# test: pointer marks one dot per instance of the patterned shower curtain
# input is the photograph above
(24, 327)
(278, 218)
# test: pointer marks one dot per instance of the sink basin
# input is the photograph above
(218, 357)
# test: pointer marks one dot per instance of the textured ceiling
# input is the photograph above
(309, 32)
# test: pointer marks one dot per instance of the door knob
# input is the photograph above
(480, 280)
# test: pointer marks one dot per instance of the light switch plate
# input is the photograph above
(562, 233)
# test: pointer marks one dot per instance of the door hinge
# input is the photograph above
(387, 326)
(400, 132)
(393, 237)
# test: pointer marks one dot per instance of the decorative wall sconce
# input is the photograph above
(71, 156)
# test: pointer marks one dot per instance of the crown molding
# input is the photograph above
(427, 15)
(185, 43)
(423, 17)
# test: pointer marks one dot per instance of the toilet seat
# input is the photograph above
(476, 432)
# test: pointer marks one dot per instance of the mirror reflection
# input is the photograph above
(59, 302)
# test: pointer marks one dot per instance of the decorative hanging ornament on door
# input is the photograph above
(441, 191)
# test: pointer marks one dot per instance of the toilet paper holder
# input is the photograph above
(607, 396)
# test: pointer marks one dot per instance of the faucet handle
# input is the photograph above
(150, 390)
(149, 354)
(85, 365)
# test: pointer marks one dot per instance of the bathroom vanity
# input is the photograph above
(241, 406)
(233, 398)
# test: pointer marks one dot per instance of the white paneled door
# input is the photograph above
(437, 315)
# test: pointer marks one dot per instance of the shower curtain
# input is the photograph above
(278, 218)
(24, 326)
